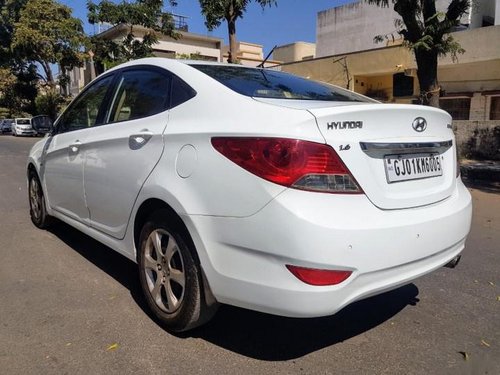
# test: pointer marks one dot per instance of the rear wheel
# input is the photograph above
(38, 210)
(170, 277)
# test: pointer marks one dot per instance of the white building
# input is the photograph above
(352, 27)
(295, 52)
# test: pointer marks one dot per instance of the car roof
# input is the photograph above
(166, 62)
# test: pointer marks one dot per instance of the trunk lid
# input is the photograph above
(391, 160)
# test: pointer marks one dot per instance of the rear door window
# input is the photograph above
(139, 93)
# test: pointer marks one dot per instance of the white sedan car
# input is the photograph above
(252, 187)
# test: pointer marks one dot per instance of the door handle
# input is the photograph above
(136, 141)
(75, 147)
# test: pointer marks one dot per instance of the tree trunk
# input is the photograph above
(48, 75)
(233, 53)
(427, 62)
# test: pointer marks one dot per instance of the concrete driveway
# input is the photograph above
(70, 305)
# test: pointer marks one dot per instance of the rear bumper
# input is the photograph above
(244, 258)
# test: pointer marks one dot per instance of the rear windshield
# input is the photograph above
(265, 83)
(23, 122)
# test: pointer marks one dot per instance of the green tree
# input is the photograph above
(47, 34)
(427, 33)
(215, 11)
(8, 99)
(9, 15)
(18, 78)
(147, 14)
(50, 104)
(18, 88)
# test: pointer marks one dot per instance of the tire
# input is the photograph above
(170, 275)
(38, 210)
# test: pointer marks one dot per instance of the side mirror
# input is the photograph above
(42, 124)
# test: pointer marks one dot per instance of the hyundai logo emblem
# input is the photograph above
(419, 124)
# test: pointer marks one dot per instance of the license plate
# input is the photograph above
(412, 166)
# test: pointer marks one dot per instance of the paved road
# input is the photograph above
(65, 299)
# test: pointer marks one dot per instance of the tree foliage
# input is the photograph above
(50, 104)
(9, 15)
(427, 33)
(217, 11)
(7, 93)
(18, 89)
(18, 77)
(147, 14)
(47, 34)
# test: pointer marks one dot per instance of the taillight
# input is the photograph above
(318, 277)
(290, 162)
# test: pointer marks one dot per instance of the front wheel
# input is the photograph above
(38, 210)
(170, 277)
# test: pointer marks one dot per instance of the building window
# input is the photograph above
(495, 108)
(198, 56)
(458, 108)
(167, 54)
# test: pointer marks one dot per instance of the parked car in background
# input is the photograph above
(42, 124)
(252, 187)
(6, 125)
(22, 126)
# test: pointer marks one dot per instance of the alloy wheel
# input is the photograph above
(164, 270)
(35, 198)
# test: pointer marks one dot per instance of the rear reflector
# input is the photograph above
(319, 277)
(290, 162)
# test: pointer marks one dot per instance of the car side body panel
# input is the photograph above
(63, 162)
(118, 159)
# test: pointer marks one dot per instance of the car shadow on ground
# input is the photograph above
(252, 334)
(273, 338)
(115, 265)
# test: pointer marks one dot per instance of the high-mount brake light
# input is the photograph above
(292, 163)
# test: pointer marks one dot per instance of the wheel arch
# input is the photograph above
(146, 209)
(151, 205)
(31, 168)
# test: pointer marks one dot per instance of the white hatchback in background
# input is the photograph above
(22, 126)
(252, 187)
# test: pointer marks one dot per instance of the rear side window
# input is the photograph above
(139, 93)
(264, 83)
(181, 92)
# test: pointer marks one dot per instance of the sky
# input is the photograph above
(290, 21)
